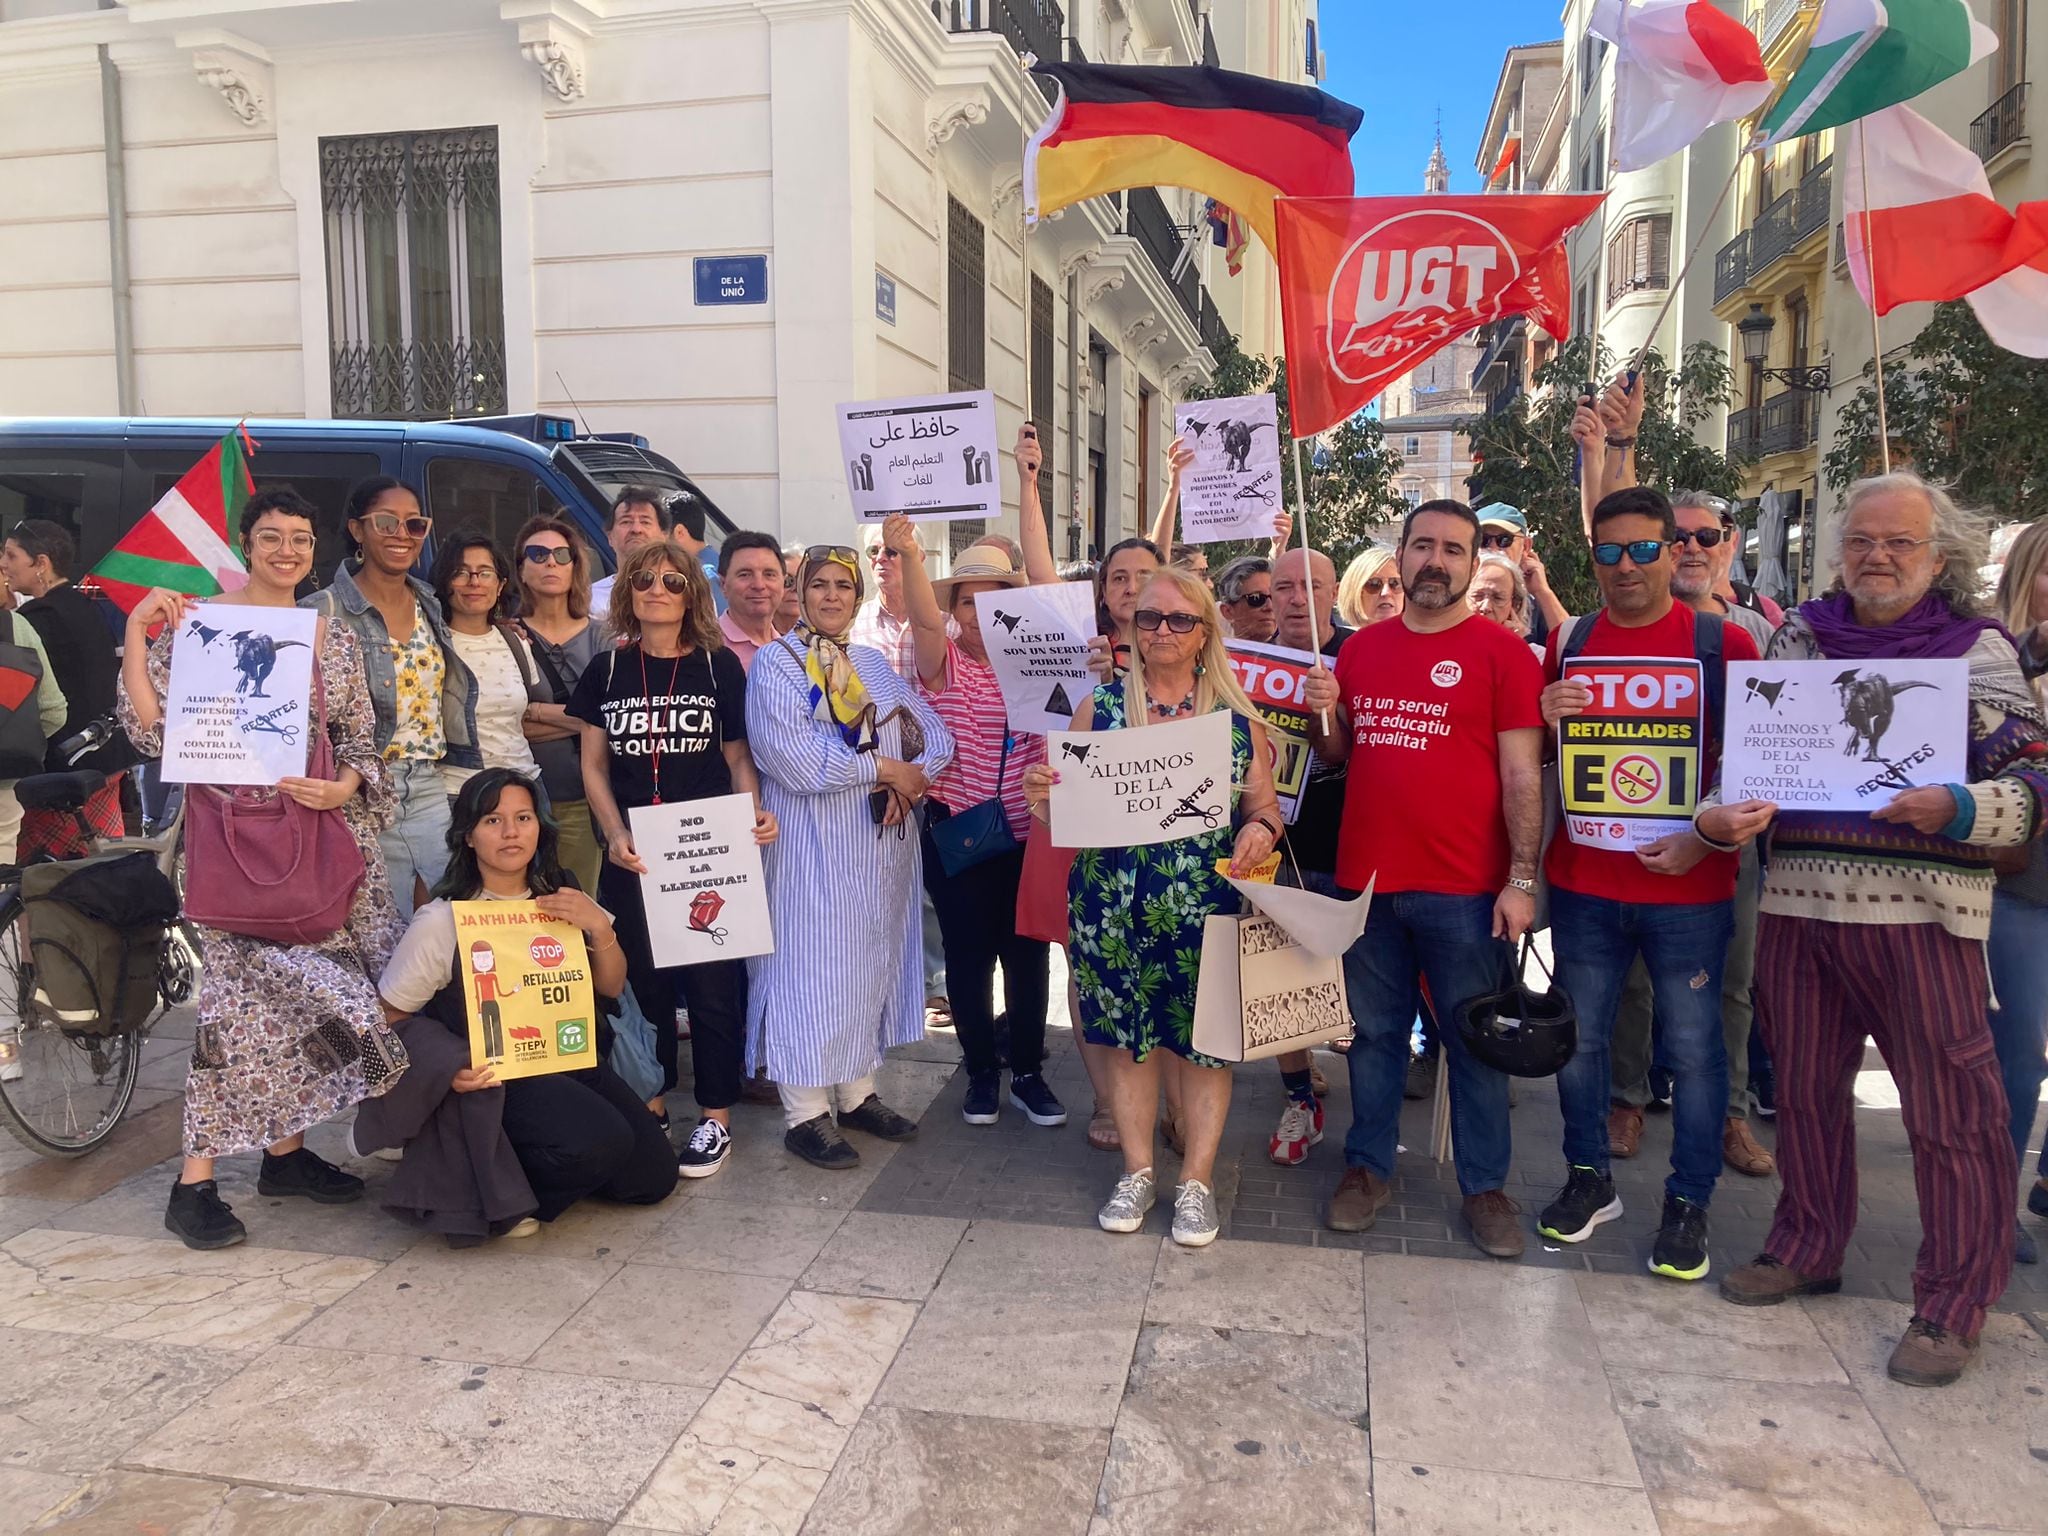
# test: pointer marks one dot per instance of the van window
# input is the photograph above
(322, 478)
(79, 490)
(484, 496)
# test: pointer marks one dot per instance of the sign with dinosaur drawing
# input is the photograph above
(1232, 490)
(1843, 736)
(238, 709)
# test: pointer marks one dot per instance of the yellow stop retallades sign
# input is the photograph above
(1629, 767)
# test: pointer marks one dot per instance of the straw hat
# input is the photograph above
(978, 562)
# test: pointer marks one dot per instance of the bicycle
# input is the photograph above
(63, 1087)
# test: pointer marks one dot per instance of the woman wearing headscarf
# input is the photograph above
(846, 751)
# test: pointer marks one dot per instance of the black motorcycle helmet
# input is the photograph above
(1520, 1031)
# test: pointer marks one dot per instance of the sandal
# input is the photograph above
(1102, 1131)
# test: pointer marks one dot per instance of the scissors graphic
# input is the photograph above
(1186, 809)
(288, 732)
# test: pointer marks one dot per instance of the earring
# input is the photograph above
(1199, 669)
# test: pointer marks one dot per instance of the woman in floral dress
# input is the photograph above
(1137, 914)
(289, 1035)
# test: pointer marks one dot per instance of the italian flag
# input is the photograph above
(1933, 231)
(1867, 55)
(182, 542)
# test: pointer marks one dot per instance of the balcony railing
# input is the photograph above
(1788, 419)
(1032, 26)
(1731, 267)
(1147, 221)
(2002, 124)
(1743, 434)
(1790, 219)
(1769, 20)
(1502, 344)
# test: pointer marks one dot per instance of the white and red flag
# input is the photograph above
(1935, 232)
(1680, 66)
(1371, 286)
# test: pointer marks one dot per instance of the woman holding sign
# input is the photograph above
(1138, 913)
(289, 1035)
(664, 719)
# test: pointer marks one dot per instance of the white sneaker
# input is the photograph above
(525, 1226)
(1195, 1221)
(1134, 1195)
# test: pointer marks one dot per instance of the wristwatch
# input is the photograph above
(1526, 887)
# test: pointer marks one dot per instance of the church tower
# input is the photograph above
(1438, 177)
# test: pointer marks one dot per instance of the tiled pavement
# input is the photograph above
(939, 1342)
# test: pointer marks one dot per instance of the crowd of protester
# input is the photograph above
(488, 732)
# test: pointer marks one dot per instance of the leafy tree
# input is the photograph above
(1526, 457)
(1962, 410)
(1349, 474)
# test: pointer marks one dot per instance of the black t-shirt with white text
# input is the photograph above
(675, 711)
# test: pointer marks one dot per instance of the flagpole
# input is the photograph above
(1024, 62)
(1301, 504)
(1884, 436)
(1699, 243)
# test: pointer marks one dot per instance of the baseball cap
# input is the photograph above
(1498, 514)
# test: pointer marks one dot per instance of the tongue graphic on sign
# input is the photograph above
(704, 909)
(1059, 703)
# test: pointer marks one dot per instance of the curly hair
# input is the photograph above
(1961, 537)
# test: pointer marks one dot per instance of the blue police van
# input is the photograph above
(98, 475)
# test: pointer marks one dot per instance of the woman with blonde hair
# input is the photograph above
(2017, 952)
(1136, 975)
(1371, 588)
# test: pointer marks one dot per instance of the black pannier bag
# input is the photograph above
(96, 934)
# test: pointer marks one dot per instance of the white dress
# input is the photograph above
(846, 980)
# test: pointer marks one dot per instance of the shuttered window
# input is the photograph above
(1639, 256)
(966, 299)
(1042, 384)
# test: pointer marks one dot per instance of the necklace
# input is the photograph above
(1185, 707)
(654, 736)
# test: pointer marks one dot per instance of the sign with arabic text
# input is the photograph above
(932, 457)
(703, 889)
(525, 988)
(239, 706)
(1141, 785)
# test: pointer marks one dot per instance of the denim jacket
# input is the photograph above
(344, 600)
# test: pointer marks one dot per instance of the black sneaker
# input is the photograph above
(1587, 1199)
(201, 1219)
(706, 1150)
(1662, 1086)
(306, 1173)
(2037, 1197)
(1030, 1094)
(878, 1119)
(1421, 1079)
(981, 1107)
(1681, 1248)
(817, 1141)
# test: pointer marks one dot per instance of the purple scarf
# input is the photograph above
(1928, 631)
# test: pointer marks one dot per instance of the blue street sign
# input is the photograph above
(732, 279)
(885, 297)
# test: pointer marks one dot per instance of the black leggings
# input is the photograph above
(978, 921)
(586, 1133)
(715, 994)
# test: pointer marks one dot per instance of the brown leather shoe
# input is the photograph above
(1930, 1355)
(1624, 1130)
(1743, 1152)
(1496, 1223)
(1361, 1196)
(1764, 1282)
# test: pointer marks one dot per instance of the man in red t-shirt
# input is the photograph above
(1438, 716)
(1635, 879)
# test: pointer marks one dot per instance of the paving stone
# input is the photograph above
(911, 1472)
(71, 1403)
(652, 1323)
(877, 1254)
(182, 1506)
(1414, 1500)
(1644, 1324)
(1230, 1285)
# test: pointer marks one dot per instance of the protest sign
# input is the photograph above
(1630, 765)
(703, 892)
(238, 710)
(1037, 642)
(526, 989)
(1836, 736)
(930, 456)
(1232, 490)
(1276, 679)
(1148, 784)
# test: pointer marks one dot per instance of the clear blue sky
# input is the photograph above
(1400, 60)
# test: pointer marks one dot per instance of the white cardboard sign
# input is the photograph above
(1233, 489)
(1037, 642)
(1148, 784)
(703, 890)
(1843, 736)
(932, 457)
(239, 706)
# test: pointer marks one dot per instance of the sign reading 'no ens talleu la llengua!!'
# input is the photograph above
(1133, 787)
(1629, 766)
(703, 890)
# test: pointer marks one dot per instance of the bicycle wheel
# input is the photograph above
(64, 1091)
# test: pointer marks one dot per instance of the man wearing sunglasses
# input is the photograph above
(1244, 591)
(1671, 901)
(1505, 530)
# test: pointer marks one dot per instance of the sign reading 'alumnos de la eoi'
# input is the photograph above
(1148, 784)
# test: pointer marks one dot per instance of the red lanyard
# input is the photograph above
(653, 736)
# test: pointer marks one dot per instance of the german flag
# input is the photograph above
(1240, 139)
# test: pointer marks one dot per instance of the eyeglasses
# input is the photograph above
(1706, 538)
(1149, 619)
(388, 523)
(541, 554)
(676, 583)
(1391, 585)
(879, 553)
(1253, 600)
(1642, 551)
(475, 573)
(1861, 544)
(271, 540)
(1502, 539)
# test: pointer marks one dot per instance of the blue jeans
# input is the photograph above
(2018, 955)
(1447, 941)
(1684, 948)
(416, 843)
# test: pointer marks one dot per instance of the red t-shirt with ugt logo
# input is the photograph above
(1422, 802)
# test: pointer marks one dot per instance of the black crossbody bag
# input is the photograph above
(979, 833)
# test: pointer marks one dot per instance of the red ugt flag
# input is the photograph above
(1371, 286)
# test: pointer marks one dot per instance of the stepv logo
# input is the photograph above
(1410, 282)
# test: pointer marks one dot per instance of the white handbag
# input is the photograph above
(1262, 994)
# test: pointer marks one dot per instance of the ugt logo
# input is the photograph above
(1409, 282)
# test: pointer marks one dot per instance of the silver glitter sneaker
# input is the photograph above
(1195, 1222)
(1134, 1195)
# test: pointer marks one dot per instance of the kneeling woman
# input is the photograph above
(570, 1134)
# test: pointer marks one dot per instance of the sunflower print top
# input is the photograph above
(417, 735)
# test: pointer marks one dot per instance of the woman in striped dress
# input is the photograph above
(846, 750)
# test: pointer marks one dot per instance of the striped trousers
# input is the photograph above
(1920, 993)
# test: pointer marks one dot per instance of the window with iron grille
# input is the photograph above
(415, 282)
(1041, 384)
(966, 326)
(1639, 256)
